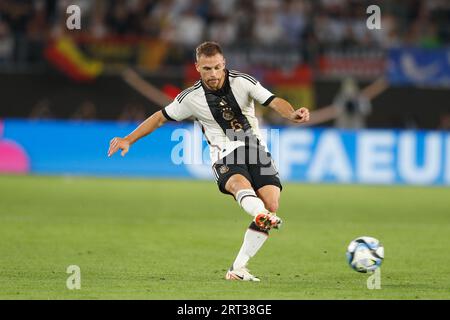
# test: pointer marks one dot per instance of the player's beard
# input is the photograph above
(215, 83)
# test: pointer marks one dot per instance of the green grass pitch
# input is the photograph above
(166, 239)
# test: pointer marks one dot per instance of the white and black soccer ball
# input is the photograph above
(365, 254)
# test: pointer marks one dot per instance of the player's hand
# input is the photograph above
(118, 143)
(300, 115)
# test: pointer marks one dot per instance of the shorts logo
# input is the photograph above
(223, 169)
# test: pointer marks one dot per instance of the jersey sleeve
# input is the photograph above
(261, 94)
(177, 111)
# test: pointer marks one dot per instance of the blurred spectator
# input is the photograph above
(97, 27)
(267, 30)
(189, 28)
(353, 108)
(329, 30)
(244, 19)
(41, 110)
(224, 8)
(223, 30)
(444, 123)
(6, 44)
(86, 111)
(292, 20)
(388, 36)
(119, 19)
(133, 112)
(17, 14)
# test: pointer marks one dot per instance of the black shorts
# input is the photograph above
(256, 165)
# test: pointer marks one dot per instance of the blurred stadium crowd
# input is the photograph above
(26, 24)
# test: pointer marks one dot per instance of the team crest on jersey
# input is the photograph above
(228, 115)
(224, 169)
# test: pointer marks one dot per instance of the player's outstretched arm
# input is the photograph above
(285, 109)
(148, 126)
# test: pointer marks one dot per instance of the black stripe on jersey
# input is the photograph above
(190, 88)
(238, 73)
(164, 112)
(268, 101)
(183, 94)
(235, 74)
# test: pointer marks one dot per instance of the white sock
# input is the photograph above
(253, 241)
(248, 201)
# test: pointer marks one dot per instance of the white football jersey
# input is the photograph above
(223, 114)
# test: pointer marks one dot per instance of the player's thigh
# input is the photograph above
(231, 178)
(270, 195)
(237, 182)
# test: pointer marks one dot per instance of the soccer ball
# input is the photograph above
(365, 254)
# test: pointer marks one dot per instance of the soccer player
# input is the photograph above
(222, 101)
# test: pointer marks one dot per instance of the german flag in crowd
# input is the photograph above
(65, 55)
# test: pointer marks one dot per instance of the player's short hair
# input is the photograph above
(208, 49)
